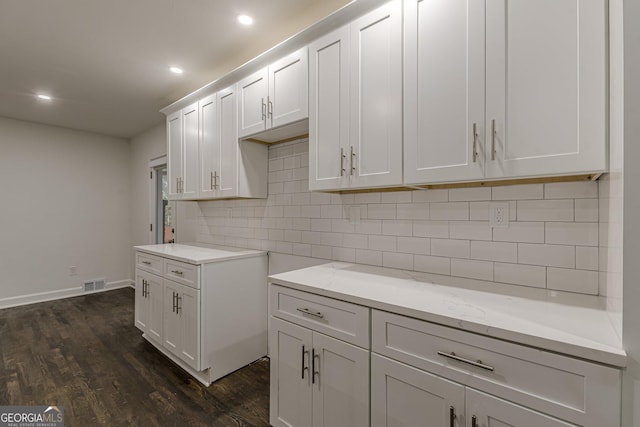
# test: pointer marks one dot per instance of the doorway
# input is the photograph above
(161, 210)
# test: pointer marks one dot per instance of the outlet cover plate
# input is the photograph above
(499, 214)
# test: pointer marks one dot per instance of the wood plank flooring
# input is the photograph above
(84, 353)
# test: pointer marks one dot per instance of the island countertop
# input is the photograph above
(573, 325)
(198, 253)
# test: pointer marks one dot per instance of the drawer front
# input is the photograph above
(181, 272)
(150, 263)
(342, 320)
(568, 388)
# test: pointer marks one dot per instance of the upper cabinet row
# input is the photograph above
(207, 160)
(486, 90)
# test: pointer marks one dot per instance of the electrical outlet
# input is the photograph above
(73, 270)
(499, 214)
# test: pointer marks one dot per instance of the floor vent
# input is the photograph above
(94, 285)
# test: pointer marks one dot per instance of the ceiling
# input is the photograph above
(106, 63)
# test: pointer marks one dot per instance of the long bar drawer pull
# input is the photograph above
(311, 313)
(178, 272)
(146, 262)
(477, 363)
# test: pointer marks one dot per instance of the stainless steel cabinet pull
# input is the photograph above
(264, 110)
(477, 363)
(311, 313)
(304, 368)
(313, 366)
(178, 272)
(353, 155)
(475, 142)
(211, 180)
(144, 288)
(173, 309)
(146, 262)
(178, 299)
(146, 285)
(270, 109)
(474, 421)
(452, 416)
(342, 157)
(493, 139)
(177, 185)
(215, 179)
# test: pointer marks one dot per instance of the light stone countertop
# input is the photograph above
(198, 253)
(573, 325)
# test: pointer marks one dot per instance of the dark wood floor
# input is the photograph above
(85, 354)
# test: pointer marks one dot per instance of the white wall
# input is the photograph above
(64, 203)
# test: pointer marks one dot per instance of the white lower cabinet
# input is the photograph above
(210, 318)
(148, 305)
(316, 380)
(181, 324)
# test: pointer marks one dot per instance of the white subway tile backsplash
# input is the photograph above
(519, 274)
(470, 230)
(472, 269)
(494, 251)
(586, 210)
(365, 256)
(571, 190)
(548, 255)
(381, 211)
(525, 232)
(449, 211)
(412, 211)
(572, 233)
(414, 245)
(587, 258)
(397, 228)
(432, 264)
(551, 241)
(518, 192)
(383, 243)
(565, 279)
(545, 210)
(397, 260)
(450, 248)
(469, 194)
(431, 229)
(420, 196)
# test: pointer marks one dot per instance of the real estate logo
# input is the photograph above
(31, 416)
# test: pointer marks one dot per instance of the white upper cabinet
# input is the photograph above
(444, 90)
(209, 148)
(546, 87)
(274, 96)
(539, 109)
(190, 150)
(355, 124)
(174, 151)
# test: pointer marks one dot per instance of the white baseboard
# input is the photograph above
(59, 294)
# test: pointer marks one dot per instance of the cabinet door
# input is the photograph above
(252, 104)
(172, 339)
(375, 154)
(209, 148)
(174, 151)
(190, 142)
(443, 90)
(329, 111)
(340, 384)
(405, 396)
(290, 371)
(141, 302)
(228, 136)
(493, 412)
(546, 87)
(288, 99)
(188, 309)
(156, 307)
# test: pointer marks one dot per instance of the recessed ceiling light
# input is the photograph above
(43, 97)
(176, 70)
(245, 19)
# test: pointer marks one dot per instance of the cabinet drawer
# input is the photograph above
(181, 272)
(565, 387)
(150, 263)
(342, 320)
